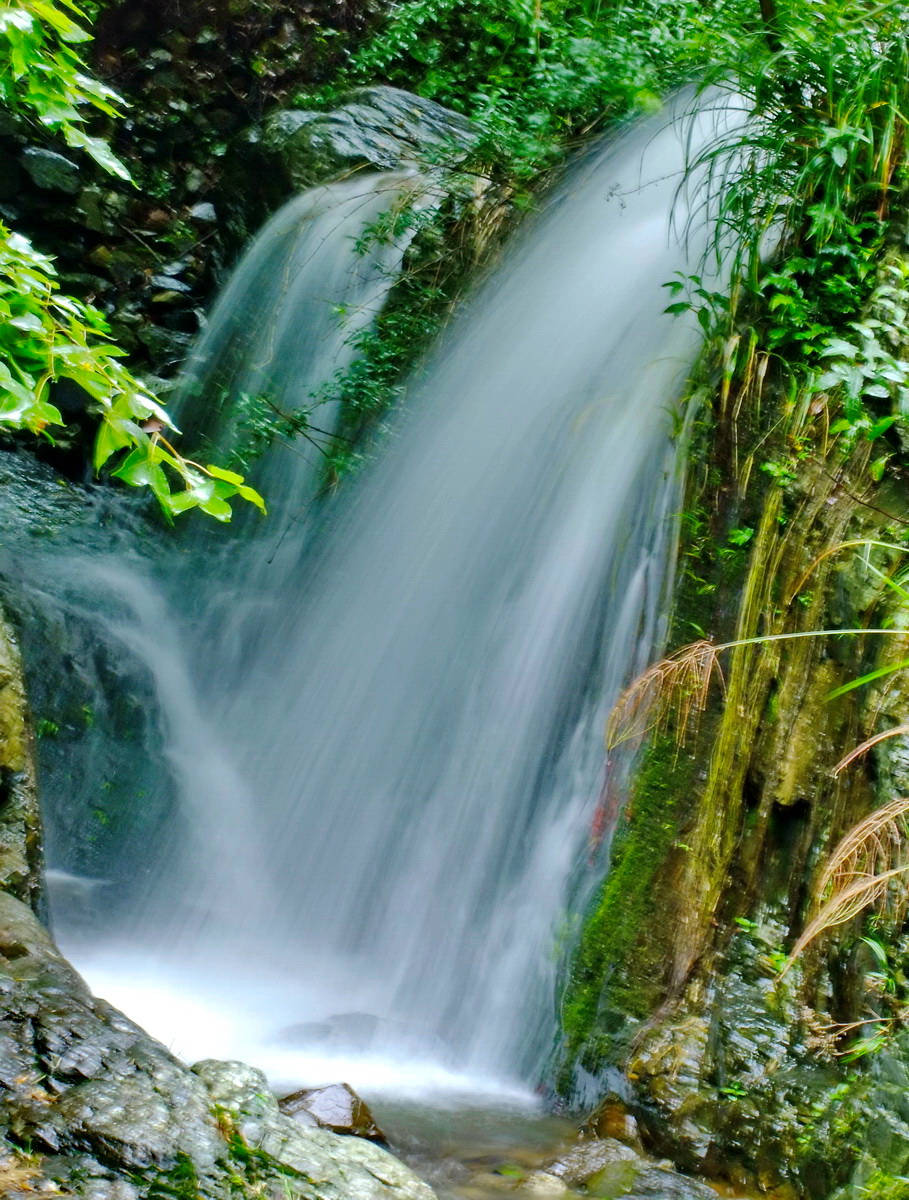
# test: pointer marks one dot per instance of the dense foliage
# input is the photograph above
(46, 336)
(813, 192)
(538, 76)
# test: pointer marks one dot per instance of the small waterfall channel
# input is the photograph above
(382, 728)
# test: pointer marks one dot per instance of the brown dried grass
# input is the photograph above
(863, 871)
(671, 691)
(897, 731)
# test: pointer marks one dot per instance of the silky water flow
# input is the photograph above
(385, 741)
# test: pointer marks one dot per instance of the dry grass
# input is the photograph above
(675, 689)
(897, 731)
(864, 870)
(671, 691)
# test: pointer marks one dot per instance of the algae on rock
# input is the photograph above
(21, 866)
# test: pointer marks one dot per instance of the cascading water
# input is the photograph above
(287, 321)
(412, 752)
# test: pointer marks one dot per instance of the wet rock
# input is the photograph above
(51, 170)
(609, 1168)
(611, 1119)
(381, 127)
(20, 829)
(542, 1183)
(110, 1114)
(656, 1183)
(78, 1075)
(166, 347)
(483, 1182)
(168, 283)
(337, 1167)
(96, 210)
(587, 1158)
(204, 212)
(336, 1107)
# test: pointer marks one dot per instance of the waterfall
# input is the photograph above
(314, 277)
(388, 747)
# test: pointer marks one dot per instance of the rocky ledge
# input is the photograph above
(91, 1106)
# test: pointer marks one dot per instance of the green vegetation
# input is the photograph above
(45, 335)
(881, 1186)
(818, 179)
(537, 76)
(537, 79)
(812, 195)
(818, 175)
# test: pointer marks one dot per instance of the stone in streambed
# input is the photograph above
(658, 1183)
(542, 1183)
(607, 1168)
(336, 1107)
(584, 1160)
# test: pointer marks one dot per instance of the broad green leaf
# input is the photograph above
(112, 436)
(99, 150)
(221, 473)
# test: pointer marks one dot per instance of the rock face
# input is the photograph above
(20, 819)
(106, 1112)
(336, 1107)
(382, 128)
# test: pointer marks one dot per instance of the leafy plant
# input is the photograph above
(811, 195)
(533, 74)
(42, 76)
(45, 335)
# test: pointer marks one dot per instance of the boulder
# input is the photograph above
(76, 1076)
(380, 127)
(337, 1167)
(654, 1183)
(109, 1114)
(51, 170)
(585, 1159)
(336, 1107)
(609, 1168)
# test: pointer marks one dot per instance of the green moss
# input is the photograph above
(619, 964)
(887, 1187)
(179, 1183)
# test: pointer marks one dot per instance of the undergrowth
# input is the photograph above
(812, 195)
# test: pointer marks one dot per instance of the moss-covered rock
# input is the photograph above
(20, 818)
(734, 1072)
